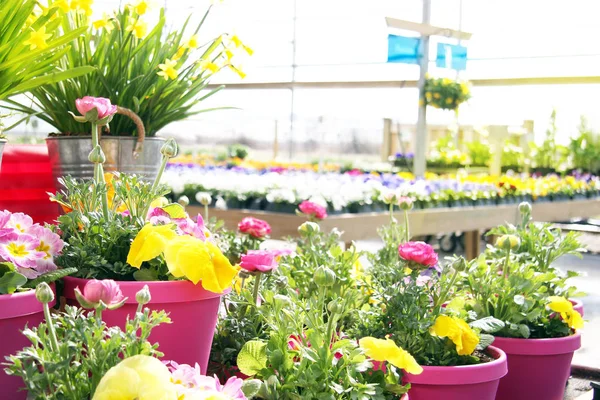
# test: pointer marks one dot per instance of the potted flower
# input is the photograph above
(409, 290)
(156, 76)
(30, 33)
(538, 329)
(27, 253)
(120, 227)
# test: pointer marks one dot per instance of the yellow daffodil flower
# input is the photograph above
(83, 5)
(386, 350)
(458, 331)
(180, 52)
(192, 42)
(63, 5)
(190, 257)
(209, 66)
(563, 306)
(149, 243)
(138, 27)
(37, 39)
(137, 377)
(228, 54)
(105, 22)
(167, 70)
(238, 71)
(141, 7)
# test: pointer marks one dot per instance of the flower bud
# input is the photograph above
(334, 306)
(43, 293)
(169, 149)
(281, 300)
(388, 197)
(460, 264)
(508, 242)
(405, 203)
(324, 277)
(184, 201)
(97, 155)
(143, 296)
(203, 198)
(525, 208)
(309, 227)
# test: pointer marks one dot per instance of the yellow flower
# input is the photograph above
(63, 5)
(141, 7)
(563, 306)
(137, 377)
(507, 242)
(160, 202)
(236, 41)
(449, 100)
(83, 5)
(458, 331)
(37, 39)
(190, 257)
(228, 54)
(105, 22)
(238, 71)
(237, 284)
(386, 350)
(192, 42)
(167, 70)
(138, 27)
(149, 243)
(179, 54)
(210, 66)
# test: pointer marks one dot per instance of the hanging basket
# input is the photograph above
(445, 93)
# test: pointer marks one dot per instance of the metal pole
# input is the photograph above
(421, 139)
(291, 150)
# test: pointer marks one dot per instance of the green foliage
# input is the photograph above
(87, 349)
(23, 69)
(479, 153)
(237, 151)
(125, 71)
(512, 155)
(51, 276)
(585, 149)
(445, 93)
(10, 279)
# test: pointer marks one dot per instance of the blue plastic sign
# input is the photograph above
(451, 56)
(403, 49)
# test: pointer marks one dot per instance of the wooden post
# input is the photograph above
(276, 141)
(498, 134)
(386, 146)
(525, 139)
(472, 244)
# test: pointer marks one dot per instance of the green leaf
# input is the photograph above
(524, 331)
(6, 267)
(145, 275)
(10, 281)
(488, 324)
(519, 299)
(175, 210)
(485, 340)
(51, 276)
(252, 358)
(251, 387)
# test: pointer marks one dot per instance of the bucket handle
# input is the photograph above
(141, 131)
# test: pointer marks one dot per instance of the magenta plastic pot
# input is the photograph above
(537, 368)
(193, 312)
(465, 382)
(16, 311)
(577, 305)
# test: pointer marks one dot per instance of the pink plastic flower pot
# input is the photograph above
(16, 311)
(193, 312)
(537, 368)
(465, 382)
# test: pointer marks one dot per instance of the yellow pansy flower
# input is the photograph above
(149, 243)
(458, 331)
(190, 257)
(386, 350)
(37, 39)
(105, 22)
(563, 306)
(137, 377)
(167, 70)
(138, 27)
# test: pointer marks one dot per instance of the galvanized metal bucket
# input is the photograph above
(69, 156)
(2, 143)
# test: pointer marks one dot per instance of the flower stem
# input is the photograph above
(506, 267)
(51, 330)
(206, 212)
(256, 288)
(406, 226)
(163, 164)
(391, 213)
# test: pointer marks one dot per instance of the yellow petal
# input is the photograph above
(149, 243)
(172, 250)
(224, 271)
(386, 350)
(575, 321)
(559, 304)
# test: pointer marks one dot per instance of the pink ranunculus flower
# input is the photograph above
(418, 254)
(95, 291)
(313, 209)
(259, 260)
(103, 105)
(254, 227)
(20, 249)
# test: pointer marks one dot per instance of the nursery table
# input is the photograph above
(470, 220)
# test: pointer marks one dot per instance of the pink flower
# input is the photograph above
(232, 389)
(50, 244)
(258, 260)
(254, 227)
(278, 253)
(20, 249)
(419, 253)
(158, 216)
(190, 381)
(4, 218)
(184, 375)
(106, 291)
(313, 209)
(88, 103)
(19, 222)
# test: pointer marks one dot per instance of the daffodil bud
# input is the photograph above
(525, 208)
(203, 198)
(508, 242)
(324, 277)
(169, 149)
(184, 201)
(309, 227)
(43, 293)
(143, 296)
(97, 155)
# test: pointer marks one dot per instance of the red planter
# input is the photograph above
(193, 312)
(466, 382)
(537, 368)
(16, 311)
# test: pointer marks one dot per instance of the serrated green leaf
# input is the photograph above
(51, 276)
(485, 340)
(252, 357)
(10, 281)
(524, 331)
(488, 324)
(175, 210)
